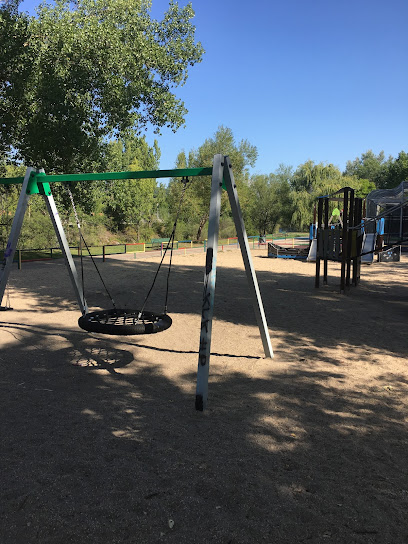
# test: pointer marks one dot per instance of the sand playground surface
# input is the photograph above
(100, 441)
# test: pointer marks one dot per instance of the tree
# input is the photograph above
(369, 166)
(130, 203)
(82, 72)
(362, 187)
(397, 171)
(315, 178)
(310, 181)
(14, 35)
(270, 202)
(131, 153)
(196, 204)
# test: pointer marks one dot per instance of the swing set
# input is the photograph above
(119, 321)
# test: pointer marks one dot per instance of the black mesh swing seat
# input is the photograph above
(124, 322)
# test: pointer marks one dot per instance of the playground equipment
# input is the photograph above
(352, 240)
(125, 321)
(341, 242)
(137, 321)
(296, 252)
(390, 206)
(372, 241)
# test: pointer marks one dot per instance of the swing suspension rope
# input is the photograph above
(170, 245)
(82, 240)
(124, 321)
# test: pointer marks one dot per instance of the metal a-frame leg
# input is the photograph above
(59, 231)
(5, 266)
(222, 170)
(209, 284)
(246, 256)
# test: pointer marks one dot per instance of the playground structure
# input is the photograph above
(298, 249)
(390, 207)
(345, 236)
(124, 321)
(341, 241)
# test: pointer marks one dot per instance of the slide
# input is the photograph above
(369, 241)
(311, 258)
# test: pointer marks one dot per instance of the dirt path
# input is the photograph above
(100, 442)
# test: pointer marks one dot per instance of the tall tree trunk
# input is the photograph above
(201, 226)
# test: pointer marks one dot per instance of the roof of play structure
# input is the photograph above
(386, 197)
(390, 196)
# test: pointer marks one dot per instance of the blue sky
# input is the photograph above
(300, 79)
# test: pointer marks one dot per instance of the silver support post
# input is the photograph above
(69, 261)
(209, 284)
(5, 266)
(246, 256)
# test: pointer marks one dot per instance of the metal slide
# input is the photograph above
(367, 251)
(311, 258)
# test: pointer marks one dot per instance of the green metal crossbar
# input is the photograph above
(39, 177)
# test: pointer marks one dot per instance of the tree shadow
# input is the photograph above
(114, 451)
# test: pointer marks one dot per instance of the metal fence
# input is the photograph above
(155, 247)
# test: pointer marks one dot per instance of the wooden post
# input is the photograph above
(319, 240)
(350, 234)
(344, 240)
(358, 205)
(326, 239)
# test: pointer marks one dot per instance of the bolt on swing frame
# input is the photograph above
(37, 182)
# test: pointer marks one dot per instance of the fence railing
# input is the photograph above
(157, 246)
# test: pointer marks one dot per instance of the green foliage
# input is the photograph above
(310, 181)
(227, 227)
(81, 72)
(384, 173)
(133, 203)
(270, 203)
(130, 154)
(361, 186)
(397, 172)
(197, 200)
(316, 179)
(370, 166)
(16, 65)
(37, 232)
(8, 200)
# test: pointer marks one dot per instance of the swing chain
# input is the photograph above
(170, 245)
(73, 207)
(82, 239)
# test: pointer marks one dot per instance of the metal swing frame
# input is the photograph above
(37, 182)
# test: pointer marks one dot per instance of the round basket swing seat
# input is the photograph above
(124, 322)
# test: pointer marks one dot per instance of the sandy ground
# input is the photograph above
(100, 442)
